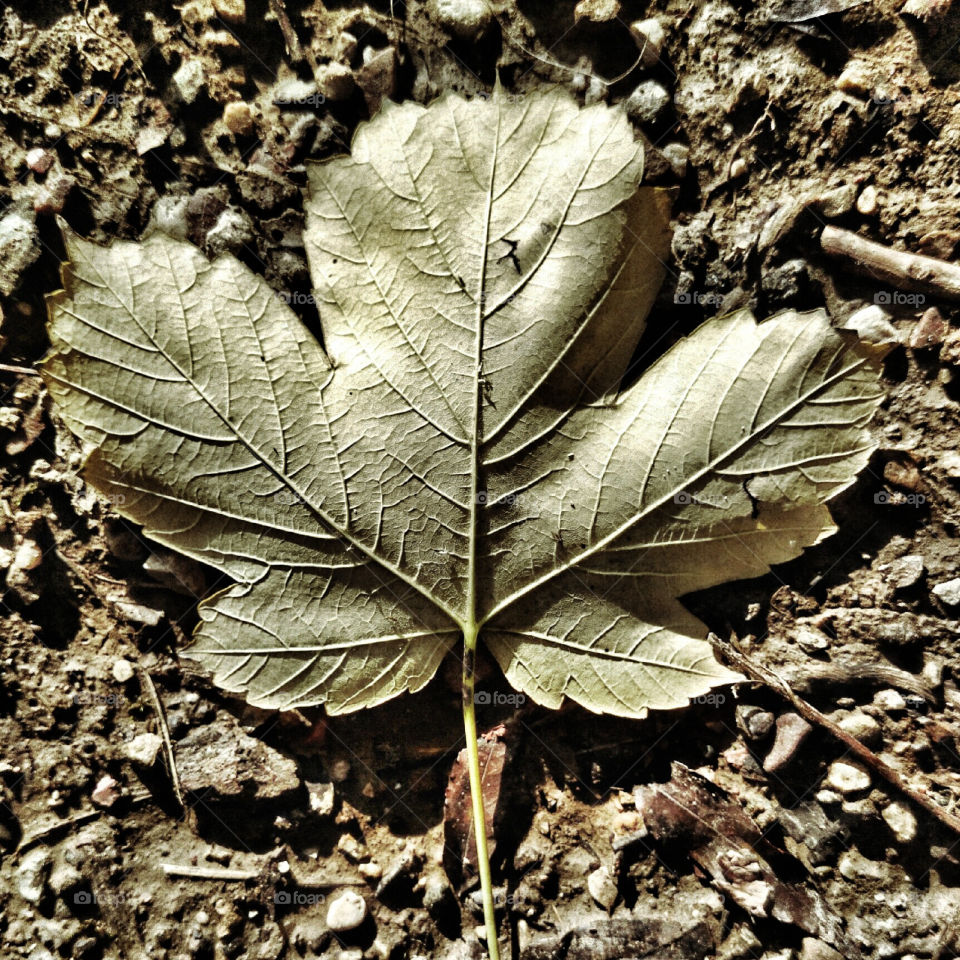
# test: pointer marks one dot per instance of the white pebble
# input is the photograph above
(346, 912)
(948, 592)
(143, 749)
(122, 670)
(845, 777)
(901, 821)
(867, 201)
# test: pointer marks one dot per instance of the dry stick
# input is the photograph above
(23, 371)
(165, 733)
(206, 873)
(767, 677)
(907, 271)
(294, 50)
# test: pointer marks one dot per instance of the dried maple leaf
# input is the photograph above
(460, 460)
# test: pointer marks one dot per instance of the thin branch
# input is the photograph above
(906, 271)
(206, 873)
(165, 734)
(763, 675)
(23, 371)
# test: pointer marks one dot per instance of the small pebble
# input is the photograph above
(861, 727)
(872, 325)
(370, 871)
(53, 131)
(346, 912)
(738, 168)
(106, 792)
(828, 798)
(238, 118)
(890, 700)
(602, 888)
(463, 18)
(296, 94)
(38, 160)
(931, 329)
(678, 156)
(188, 80)
(837, 201)
(32, 874)
(792, 730)
(854, 79)
(232, 231)
(846, 777)
(948, 592)
(122, 670)
(143, 749)
(649, 36)
(867, 201)
(322, 798)
(352, 848)
(755, 722)
(335, 81)
(648, 102)
(901, 821)
(597, 11)
(811, 949)
(231, 11)
(905, 572)
(811, 639)
(853, 865)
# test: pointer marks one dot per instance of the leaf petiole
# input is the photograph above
(476, 787)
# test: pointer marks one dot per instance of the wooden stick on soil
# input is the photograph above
(906, 271)
(737, 658)
(23, 371)
(206, 873)
(165, 734)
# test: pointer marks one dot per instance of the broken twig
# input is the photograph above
(206, 873)
(738, 659)
(165, 734)
(23, 371)
(906, 271)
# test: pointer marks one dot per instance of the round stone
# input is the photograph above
(346, 912)
(845, 777)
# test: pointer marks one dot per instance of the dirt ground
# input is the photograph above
(771, 122)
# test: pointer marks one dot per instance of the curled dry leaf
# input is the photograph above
(460, 461)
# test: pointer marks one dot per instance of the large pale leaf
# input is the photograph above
(460, 457)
